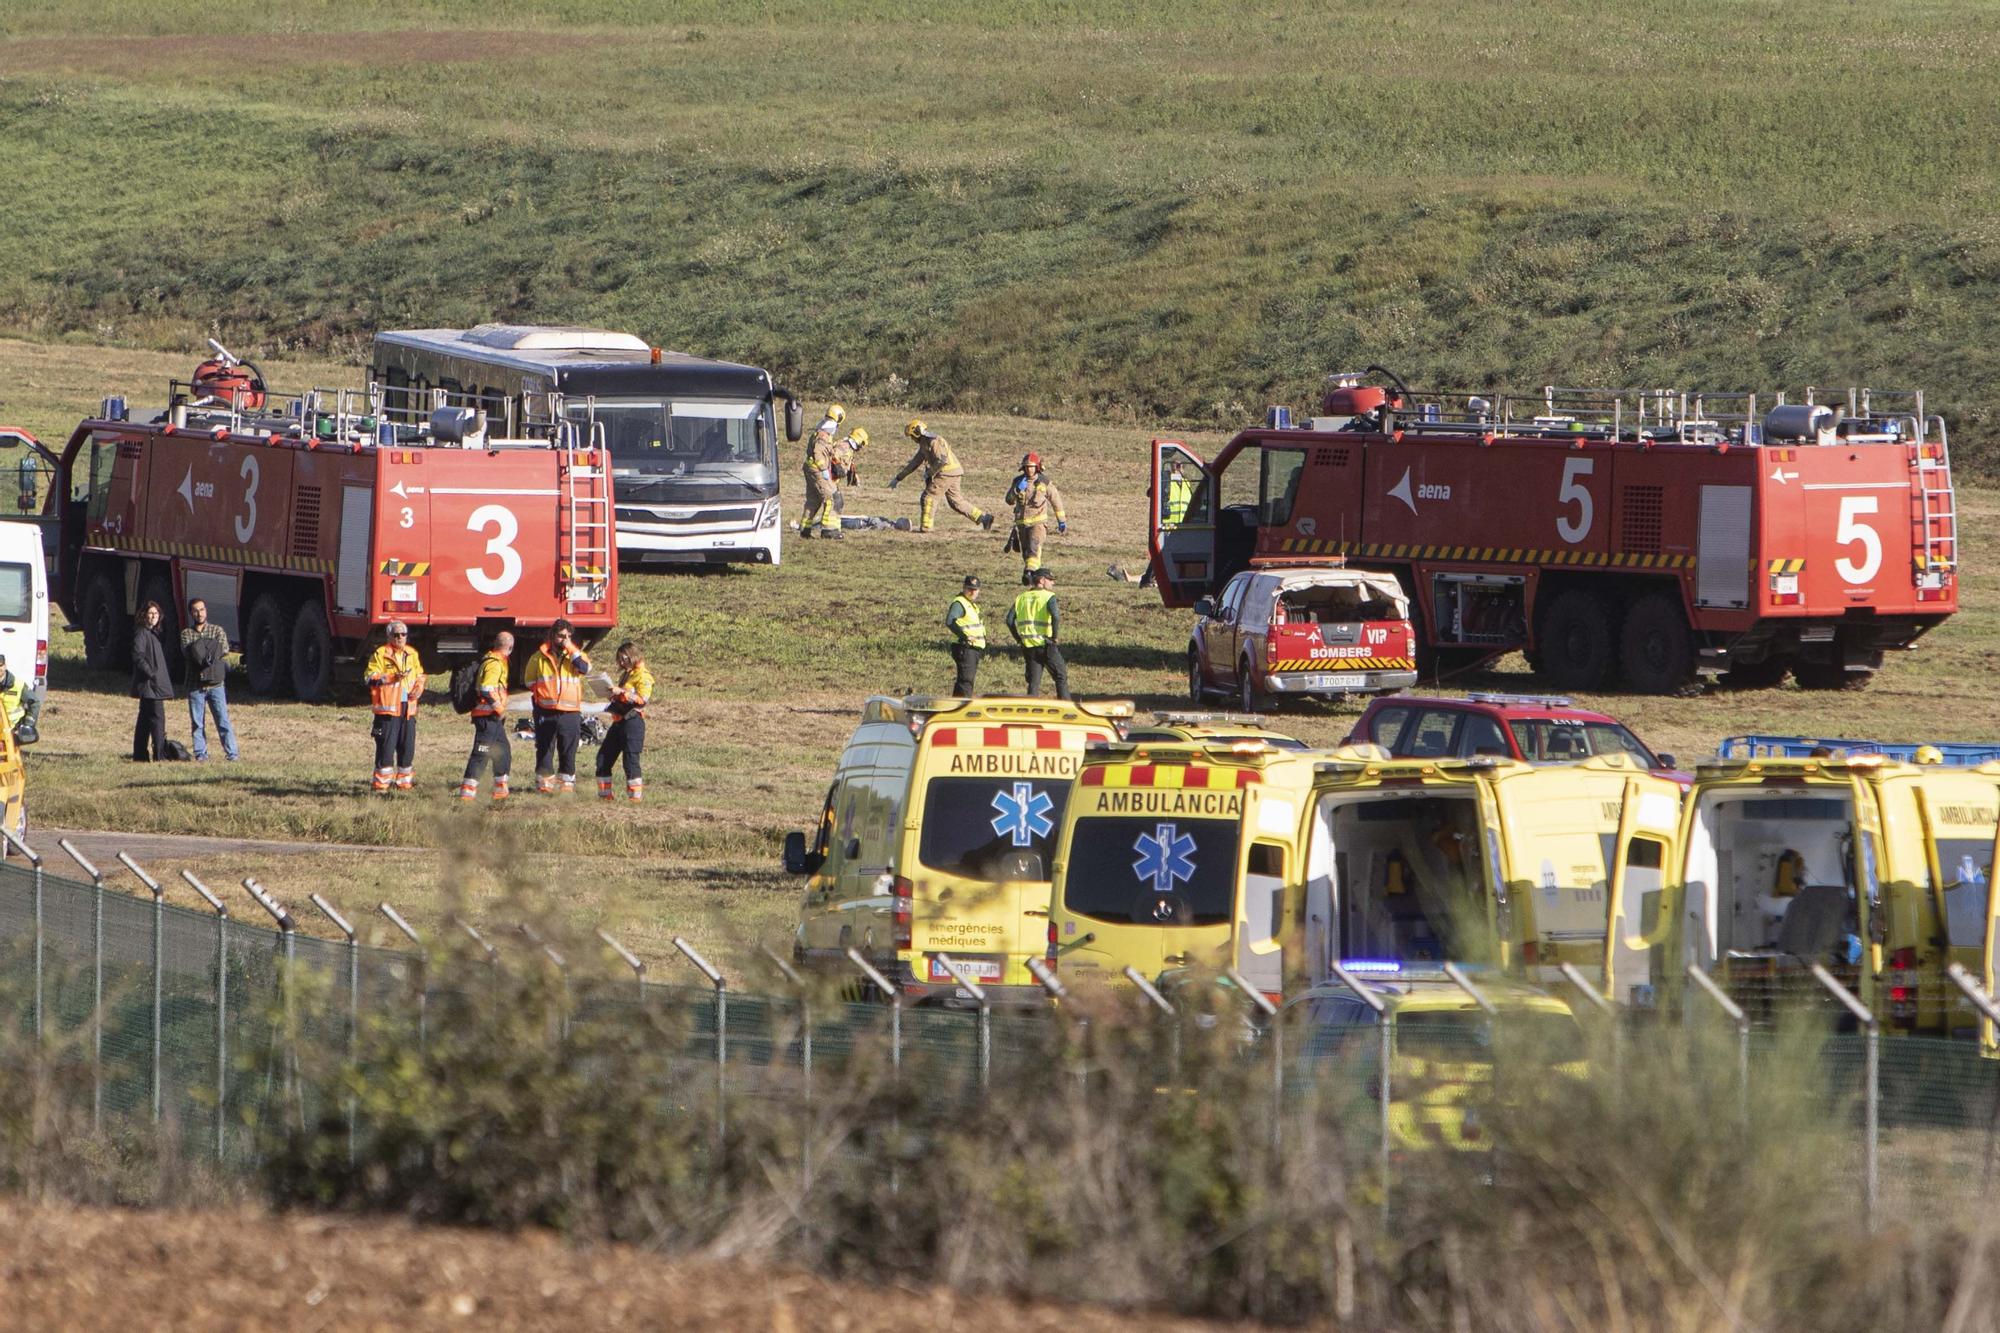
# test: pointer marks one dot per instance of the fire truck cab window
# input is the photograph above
(1408, 881)
(1278, 488)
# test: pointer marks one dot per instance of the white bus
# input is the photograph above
(693, 442)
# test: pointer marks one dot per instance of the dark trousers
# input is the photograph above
(395, 741)
(489, 746)
(556, 737)
(1050, 656)
(967, 659)
(150, 731)
(625, 740)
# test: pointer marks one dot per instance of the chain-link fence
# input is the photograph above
(196, 1021)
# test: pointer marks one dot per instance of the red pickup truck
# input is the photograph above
(1322, 630)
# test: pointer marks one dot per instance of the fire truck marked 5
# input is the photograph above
(1852, 530)
(1576, 529)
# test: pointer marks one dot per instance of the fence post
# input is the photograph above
(34, 860)
(492, 954)
(1263, 1005)
(895, 999)
(423, 963)
(353, 1002)
(221, 1005)
(1708, 987)
(798, 982)
(96, 984)
(1159, 1002)
(287, 928)
(721, 1034)
(1604, 1007)
(562, 971)
(632, 960)
(159, 964)
(1385, 1023)
(978, 993)
(1989, 1012)
(1873, 1093)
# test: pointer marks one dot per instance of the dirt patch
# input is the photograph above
(98, 1268)
(141, 55)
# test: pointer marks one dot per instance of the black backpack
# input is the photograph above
(174, 750)
(465, 687)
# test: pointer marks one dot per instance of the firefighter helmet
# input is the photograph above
(858, 437)
(916, 430)
(1031, 460)
(1929, 754)
(836, 413)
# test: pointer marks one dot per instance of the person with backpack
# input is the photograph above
(480, 688)
(396, 682)
(206, 649)
(152, 686)
(626, 738)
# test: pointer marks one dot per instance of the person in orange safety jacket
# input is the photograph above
(395, 683)
(554, 678)
(489, 723)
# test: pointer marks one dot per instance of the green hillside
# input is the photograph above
(1092, 209)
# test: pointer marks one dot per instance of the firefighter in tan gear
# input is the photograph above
(818, 469)
(554, 677)
(626, 738)
(489, 722)
(1035, 500)
(942, 474)
(395, 682)
(846, 454)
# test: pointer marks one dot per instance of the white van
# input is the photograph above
(24, 609)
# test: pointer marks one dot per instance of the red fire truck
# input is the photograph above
(307, 523)
(1612, 536)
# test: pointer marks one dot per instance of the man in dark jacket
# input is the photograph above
(206, 648)
(152, 686)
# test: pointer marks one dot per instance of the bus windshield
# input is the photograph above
(656, 445)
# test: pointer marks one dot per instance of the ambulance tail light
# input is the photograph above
(1050, 958)
(41, 661)
(1903, 989)
(902, 891)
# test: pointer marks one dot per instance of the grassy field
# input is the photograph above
(761, 676)
(1086, 210)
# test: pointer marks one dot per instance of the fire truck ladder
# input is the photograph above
(1937, 509)
(584, 539)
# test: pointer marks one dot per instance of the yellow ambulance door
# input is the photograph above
(1989, 1035)
(1501, 920)
(1271, 818)
(1865, 880)
(1642, 908)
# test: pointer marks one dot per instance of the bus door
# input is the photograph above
(1180, 523)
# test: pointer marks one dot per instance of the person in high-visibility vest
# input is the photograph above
(395, 676)
(1180, 494)
(942, 474)
(968, 637)
(1035, 498)
(626, 738)
(490, 745)
(554, 677)
(13, 696)
(1034, 622)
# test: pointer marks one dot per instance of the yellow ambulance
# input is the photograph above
(937, 836)
(1880, 870)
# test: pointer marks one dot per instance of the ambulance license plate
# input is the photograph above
(979, 969)
(1345, 680)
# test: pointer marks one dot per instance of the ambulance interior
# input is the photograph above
(1771, 873)
(1403, 877)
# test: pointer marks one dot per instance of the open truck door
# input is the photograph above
(1639, 913)
(1866, 878)
(1180, 523)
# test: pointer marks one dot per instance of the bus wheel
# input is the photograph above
(1576, 641)
(1657, 649)
(267, 643)
(312, 654)
(107, 630)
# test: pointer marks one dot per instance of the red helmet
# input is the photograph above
(1036, 459)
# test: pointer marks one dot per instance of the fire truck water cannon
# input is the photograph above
(1616, 537)
(307, 522)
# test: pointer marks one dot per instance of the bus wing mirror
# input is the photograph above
(795, 420)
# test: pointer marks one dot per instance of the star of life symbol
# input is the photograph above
(1023, 814)
(1166, 856)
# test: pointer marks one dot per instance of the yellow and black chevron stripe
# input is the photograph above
(1509, 555)
(587, 572)
(1788, 566)
(226, 555)
(1344, 664)
(406, 569)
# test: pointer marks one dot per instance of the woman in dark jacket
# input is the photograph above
(151, 686)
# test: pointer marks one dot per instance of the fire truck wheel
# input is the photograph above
(107, 630)
(1756, 675)
(312, 655)
(1578, 646)
(1657, 651)
(1197, 687)
(267, 642)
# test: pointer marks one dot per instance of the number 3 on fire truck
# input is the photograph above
(1849, 532)
(1575, 530)
(506, 528)
(248, 523)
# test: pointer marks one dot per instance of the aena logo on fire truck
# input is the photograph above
(1424, 491)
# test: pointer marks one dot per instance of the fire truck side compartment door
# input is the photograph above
(1182, 554)
(1722, 561)
(357, 507)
